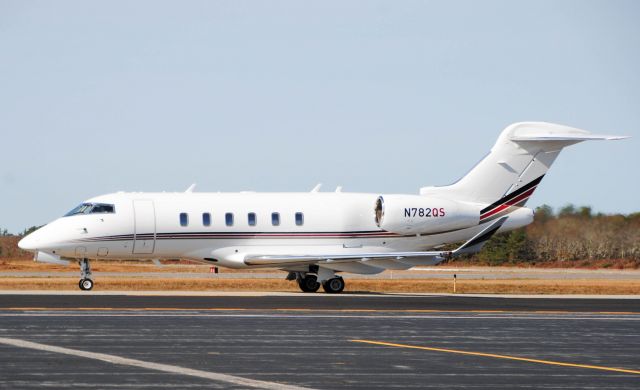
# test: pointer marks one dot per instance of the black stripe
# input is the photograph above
(513, 195)
(274, 232)
(271, 235)
(482, 238)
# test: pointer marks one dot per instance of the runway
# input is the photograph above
(300, 301)
(318, 341)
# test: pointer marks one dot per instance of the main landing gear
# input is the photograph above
(309, 283)
(86, 283)
(334, 285)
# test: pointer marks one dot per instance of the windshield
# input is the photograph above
(92, 208)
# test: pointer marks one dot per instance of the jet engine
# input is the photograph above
(416, 214)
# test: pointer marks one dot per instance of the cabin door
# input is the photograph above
(144, 222)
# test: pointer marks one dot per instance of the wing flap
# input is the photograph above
(334, 258)
(388, 264)
(474, 244)
(353, 267)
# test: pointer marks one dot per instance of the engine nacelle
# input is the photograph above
(416, 214)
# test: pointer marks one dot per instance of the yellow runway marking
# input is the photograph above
(549, 362)
(552, 312)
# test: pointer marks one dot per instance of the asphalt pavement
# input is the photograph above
(315, 341)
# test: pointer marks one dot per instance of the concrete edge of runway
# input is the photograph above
(311, 296)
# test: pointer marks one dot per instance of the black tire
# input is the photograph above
(333, 286)
(86, 284)
(80, 285)
(309, 284)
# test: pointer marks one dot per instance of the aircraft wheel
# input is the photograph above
(309, 284)
(86, 284)
(333, 286)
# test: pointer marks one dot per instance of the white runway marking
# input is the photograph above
(235, 380)
(302, 316)
(306, 296)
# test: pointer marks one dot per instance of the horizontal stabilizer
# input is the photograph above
(567, 137)
(541, 131)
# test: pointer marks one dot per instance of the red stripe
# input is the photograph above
(513, 201)
(494, 211)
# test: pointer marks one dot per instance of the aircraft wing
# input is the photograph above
(379, 259)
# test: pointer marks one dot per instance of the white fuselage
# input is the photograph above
(148, 226)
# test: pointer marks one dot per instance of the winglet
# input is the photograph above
(477, 242)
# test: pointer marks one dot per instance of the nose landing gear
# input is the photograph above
(86, 283)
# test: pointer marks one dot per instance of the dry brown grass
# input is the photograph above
(616, 264)
(353, 285)
(515, 286)
(155, 284)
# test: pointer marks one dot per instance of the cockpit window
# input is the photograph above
(92, 208)
(82, 209)
(102, 208)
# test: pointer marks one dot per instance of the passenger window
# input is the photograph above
(228, 218)
(206, 219)
(184, 219)
(251, 219)
(299, 219)
(275, 219)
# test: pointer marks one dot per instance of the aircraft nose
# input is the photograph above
(28, 243)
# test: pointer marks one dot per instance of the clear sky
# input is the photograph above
(381, 97)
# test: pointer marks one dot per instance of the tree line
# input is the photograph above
(572, 234)
(6, 233)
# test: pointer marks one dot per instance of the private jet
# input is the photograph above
(314, 236)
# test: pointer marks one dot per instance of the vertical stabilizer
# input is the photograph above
(518, 161)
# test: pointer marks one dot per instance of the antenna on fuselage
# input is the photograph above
(191, 188)
(317, 188)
